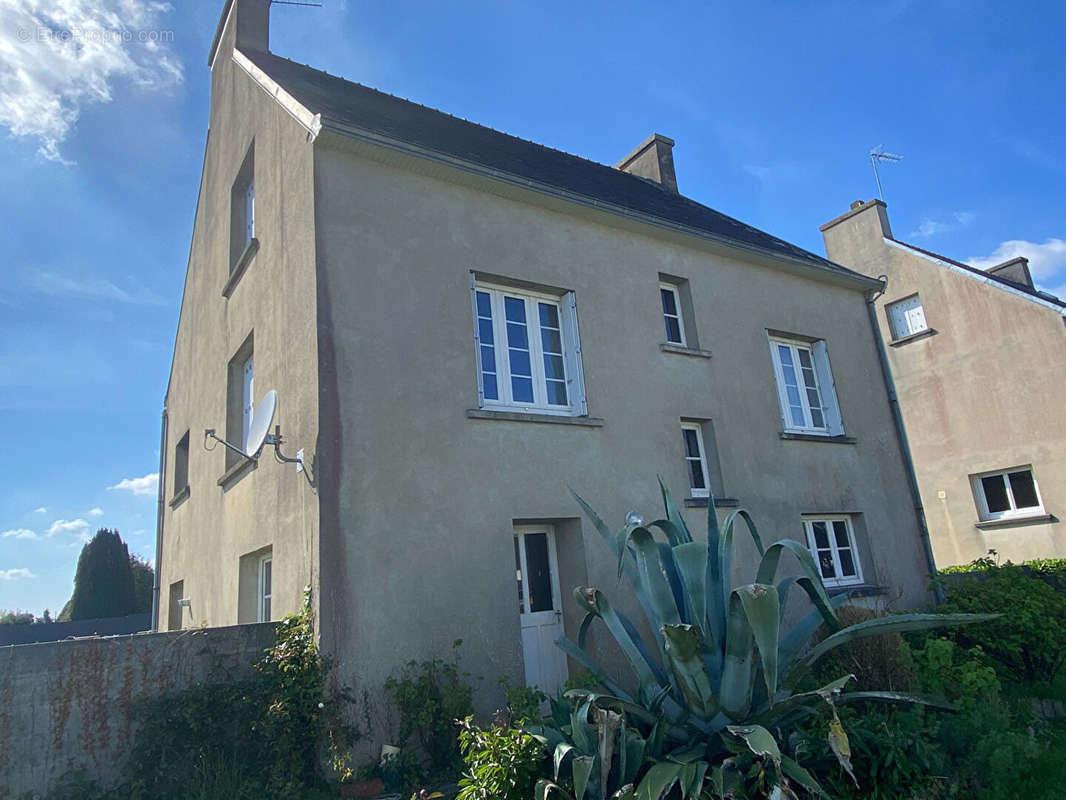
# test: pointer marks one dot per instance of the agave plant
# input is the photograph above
(719, 676)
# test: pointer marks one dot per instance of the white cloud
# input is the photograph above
(96, 512)
(41, 510)
(139, 486)
(15, 574)
(19, 533)
(930, 227)
(75, 527)
(92, 289)
(1047, 261)
(58, 56)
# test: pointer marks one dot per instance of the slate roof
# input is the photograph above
(1021, 287)
(353, 104)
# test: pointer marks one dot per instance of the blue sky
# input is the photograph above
(773, 108)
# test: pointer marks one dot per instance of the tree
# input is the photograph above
(104, 583)
(143, 579)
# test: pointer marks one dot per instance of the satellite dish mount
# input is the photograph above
(258, 434)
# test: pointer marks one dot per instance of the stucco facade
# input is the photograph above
(980, 381)
(404, 522)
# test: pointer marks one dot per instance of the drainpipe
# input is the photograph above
(901, 433)
(159, 517)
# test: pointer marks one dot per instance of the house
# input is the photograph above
(460, 325)
(978, 358)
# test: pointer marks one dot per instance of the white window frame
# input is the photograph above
(1014, 512)
(812, 545)
(249, 212)
(673, 289)
(913, 318)
(833, 424)
(247, 398)
(706, 490)
(264, 594)
(566, 304)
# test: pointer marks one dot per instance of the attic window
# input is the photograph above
(906, 317)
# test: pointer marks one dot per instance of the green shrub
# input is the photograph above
(523, 702)
(430, 696)
(501, 763)
(1028, 643)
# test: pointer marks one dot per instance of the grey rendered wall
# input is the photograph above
(206, 535)
(66, 707)
(984, 392)
(417, 519)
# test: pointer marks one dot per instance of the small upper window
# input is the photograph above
(675, 325)
(529, 355)
(695, 459)
(1006, 494)
(181, 465)
(240, 398)
(906, 317)
(242, 209)
(805, 387)
(832, 542)
(247, 398)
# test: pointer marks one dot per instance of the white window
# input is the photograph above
(906, 317)
(247, 400)
(675, 325)
(695, 459)
(249, 212)
(264, 588)
(1006, 494)
(831, 540)
(805, 387)
(529, 355)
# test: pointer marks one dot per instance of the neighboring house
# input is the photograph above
(979, 363)
(460, 325)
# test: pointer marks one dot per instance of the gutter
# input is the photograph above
(812, 268)
(159, 517)
(901, 435)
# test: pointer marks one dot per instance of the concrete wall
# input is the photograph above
(982, 393)
(66, 706)
(420, 500)
(206, 534)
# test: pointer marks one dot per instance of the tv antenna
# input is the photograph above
(876, 155)
(258, 434)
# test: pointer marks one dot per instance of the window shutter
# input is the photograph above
(830, 406)
(477, 342)
(576, 375)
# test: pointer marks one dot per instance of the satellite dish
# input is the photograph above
(262, 416)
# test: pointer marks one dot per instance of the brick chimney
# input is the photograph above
(653, 159)
(244, 25)
(1016, 270)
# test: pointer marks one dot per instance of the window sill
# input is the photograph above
(682, 350)
(236, 472)
(521, 416)
(818, 437)
(180, 497)
(1006, 522)
(719, 502)
(856, 590)
(239, 268)
(913, 337)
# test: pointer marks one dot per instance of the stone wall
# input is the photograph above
(66, 706)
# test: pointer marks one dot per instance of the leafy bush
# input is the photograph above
(717, 677)
(255, 738)
(430, 696)
(501, 763)
(1028, 643)
(523, 702)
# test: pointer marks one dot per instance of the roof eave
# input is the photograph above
(813, 268)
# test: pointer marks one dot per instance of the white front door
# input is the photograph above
(540, 607)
